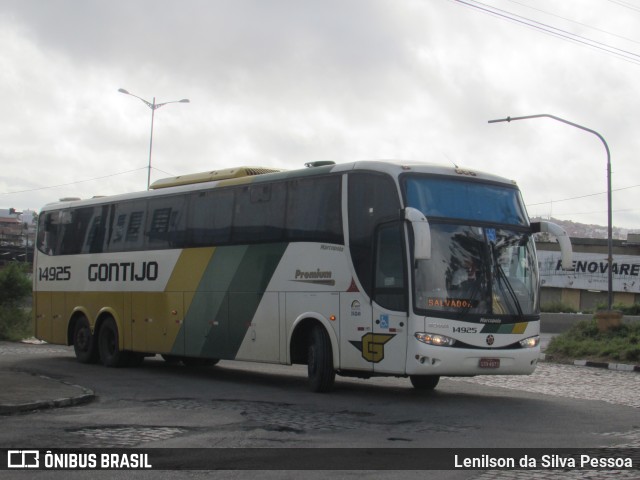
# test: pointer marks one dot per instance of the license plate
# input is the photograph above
(489, 363)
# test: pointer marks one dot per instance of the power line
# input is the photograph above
(591, 27)
(581, 196)
(555, 214)
(73, 183)
(551, 30)
(625, 5)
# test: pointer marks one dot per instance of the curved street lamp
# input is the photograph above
(153, 106)
(609, 210)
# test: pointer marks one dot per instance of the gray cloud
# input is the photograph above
(285, 82)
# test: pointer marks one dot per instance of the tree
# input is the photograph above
(15, 286)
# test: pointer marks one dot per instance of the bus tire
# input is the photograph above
(424, 382)
(110, 353)
(320, 361)
(84, 344)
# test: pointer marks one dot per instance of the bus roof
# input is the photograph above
(247, 175)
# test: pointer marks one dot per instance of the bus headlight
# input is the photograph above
(434, 339)
(530, 342)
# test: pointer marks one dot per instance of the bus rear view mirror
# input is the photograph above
(421, 233)
(563, 240)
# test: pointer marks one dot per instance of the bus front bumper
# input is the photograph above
(448, 361)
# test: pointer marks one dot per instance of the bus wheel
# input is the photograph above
(320, 361)
(110, 353)
(83, 342)
(424, 382)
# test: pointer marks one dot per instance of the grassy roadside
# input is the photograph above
(583, 341)
(15, 286)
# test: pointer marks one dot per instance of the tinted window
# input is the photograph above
(373, 198)
(95, 241)
(75, 232)
(314, 210)
(306, 209)
(451, 198)
(166, 222)
(49, 232)
(127, 227)
(389, 290)
(210, 215)
(259, 213)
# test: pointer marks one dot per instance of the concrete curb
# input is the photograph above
(68, 397)
(621, 367)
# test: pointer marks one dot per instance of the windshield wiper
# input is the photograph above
(502, 278)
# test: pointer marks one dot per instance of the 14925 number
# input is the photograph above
(53, 274)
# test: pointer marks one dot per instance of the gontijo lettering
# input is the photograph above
(123, 272)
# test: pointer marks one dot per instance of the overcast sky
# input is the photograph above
(283, 82)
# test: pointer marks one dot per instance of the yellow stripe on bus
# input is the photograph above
(519, 327)
(189, 269)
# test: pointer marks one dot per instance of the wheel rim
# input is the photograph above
(83, 339)
(110, 341)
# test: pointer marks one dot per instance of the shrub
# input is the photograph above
(15, 287)
(584, 341)
(556, 307)
(625, 309)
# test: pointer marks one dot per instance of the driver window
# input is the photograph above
(389, 289)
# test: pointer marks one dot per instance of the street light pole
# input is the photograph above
(153, 106)
(609, 208)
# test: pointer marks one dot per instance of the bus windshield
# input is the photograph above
(439, 197)
(478, 270)
(480, 266)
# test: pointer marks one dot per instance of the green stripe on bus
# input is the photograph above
(518, 328)
(226, 300)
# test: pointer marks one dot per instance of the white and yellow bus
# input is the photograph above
(359, 269)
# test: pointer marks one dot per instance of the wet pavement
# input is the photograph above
(22, 391)
(25, 391)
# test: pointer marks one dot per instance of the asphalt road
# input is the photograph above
(243, 405)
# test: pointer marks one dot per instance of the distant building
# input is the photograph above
(586, 286)
(11, 228)
(17, 233)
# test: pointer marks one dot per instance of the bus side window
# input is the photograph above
(210, 214)
(259, 213)
(118, 229)
(373, 197)
(48, 233)
(127, 227)
(73, 228)
(134, 227)
(389, 285)
(96, 233)
(314, 211)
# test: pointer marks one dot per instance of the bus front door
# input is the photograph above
(387, 344)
